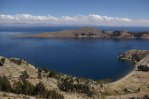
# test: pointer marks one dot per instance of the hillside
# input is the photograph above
(14, 69)
(19, 78)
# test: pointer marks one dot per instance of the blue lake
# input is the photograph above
(88, 58)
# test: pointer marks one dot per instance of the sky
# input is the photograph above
(75, 12)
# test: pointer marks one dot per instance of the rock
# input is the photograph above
(134, 55)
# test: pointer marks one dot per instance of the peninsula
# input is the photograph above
(88, 32)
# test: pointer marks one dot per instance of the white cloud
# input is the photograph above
(91, 19)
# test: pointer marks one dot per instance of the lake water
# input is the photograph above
(88, 58)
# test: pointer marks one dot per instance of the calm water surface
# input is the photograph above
(89, 58)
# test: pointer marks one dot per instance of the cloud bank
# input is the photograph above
(81, 20)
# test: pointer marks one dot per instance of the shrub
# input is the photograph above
(116, 33)
(5, 84)
(53, 74)
(2, 61)
(82, 34)
(76, 34)
(26, 88)
(16, 61)
(45, 69)
(41, 91)
(136, 57)
(137, 35)
(24, 75)
(146, 97)
(68, 86)
(17, 87)
(23, 87)
(39, 73)
(91, 34)
(143, 68)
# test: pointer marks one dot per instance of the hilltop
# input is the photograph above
(88, 32)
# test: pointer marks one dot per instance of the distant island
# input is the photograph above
(88, 32)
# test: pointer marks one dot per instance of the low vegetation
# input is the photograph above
(68, 85)
(84, 34)
(2, 61)
(26, 88)
(16, 61)
(144, 97)
(143, 68)
(116, 33)
(45, 69)
(5, 84)
(39, 73)
(54, 75)
(136, 57)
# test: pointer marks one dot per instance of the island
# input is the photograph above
(20, 79)
(89, 32)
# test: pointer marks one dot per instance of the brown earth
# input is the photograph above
(88, 32)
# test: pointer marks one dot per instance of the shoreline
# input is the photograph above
(134, 82)
(134, 68)
(125, 76)
(129, 85)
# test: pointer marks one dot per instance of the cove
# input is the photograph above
(88, 58)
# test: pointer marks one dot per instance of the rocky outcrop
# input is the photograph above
(87, 32)
(134, 55)
(140, 57)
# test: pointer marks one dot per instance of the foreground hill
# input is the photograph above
(25, 80)
(20, 79)
(90, 33)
